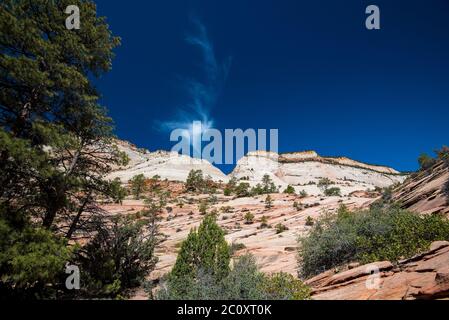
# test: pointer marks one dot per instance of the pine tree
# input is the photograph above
(204, 250)
(56, 141)
(137, 185)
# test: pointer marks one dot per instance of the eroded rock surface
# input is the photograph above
(427, 192)
(425, 276)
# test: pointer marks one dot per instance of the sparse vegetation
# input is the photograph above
(249, 218)
(237, 246)
(264, 222)
(380, 233)
(242, 190)
(268, 185)
(324, 184)
(226, 209)
(137, 186)
(56, 141)
(289, 190)
(243, 282)
(443, 154)
(425, 161)
(309, 221)
(203, 207)
(195, 181)
(117, 192)
(332, 192)
(268, 202)
(280, 228)
(297, 206)
(118, 257)
(303, 194)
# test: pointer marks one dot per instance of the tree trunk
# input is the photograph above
(77, 218)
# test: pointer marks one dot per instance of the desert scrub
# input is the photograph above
(297, 206)
(226, 209)
(379, 233)
(309, 221)
(263, 222)
(268, 202)
(249, 218)
(333, 192)
(203, 207)
(243, 282)
(237, 246)
(280, 228)
(289, 190)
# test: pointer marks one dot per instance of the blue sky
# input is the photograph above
(308, 68)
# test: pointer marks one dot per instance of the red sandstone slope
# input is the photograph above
(427, 191)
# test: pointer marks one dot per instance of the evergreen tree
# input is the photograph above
(289, 190)
(268, 202)
(137, 185)
(117, 192)
(56, 141)
(204, 250)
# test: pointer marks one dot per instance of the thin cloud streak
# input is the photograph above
(203, 95)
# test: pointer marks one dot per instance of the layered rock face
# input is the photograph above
(425, 276)
(167, 165)
(303, 170)
(427, 192)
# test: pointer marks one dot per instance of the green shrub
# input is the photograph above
(297, 206)
(264, 222)
(230, 186)
(118, 257)
(380, 233)
(242, 190)
(324, 184)
(202, 208)
(268, 185)
(226, 209)
(249, 218)
(425, 161)
(443, 154)
(30, 259)
(195, 181)
(309, 221)
(280, 228)
(257, 190)
(237, 246)
(243, 282)
(303, 194)
(283, 286)
(116, 191)
(268, 202)
(137, 186)
(289, 190)
(332, 192)
(204, 251)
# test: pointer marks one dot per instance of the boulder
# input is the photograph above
(425, 276)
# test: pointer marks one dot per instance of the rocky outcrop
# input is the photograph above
(425, 276)
(303, 170)
(167, 165)
(427, 191)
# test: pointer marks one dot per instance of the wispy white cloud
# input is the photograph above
(202, 95)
